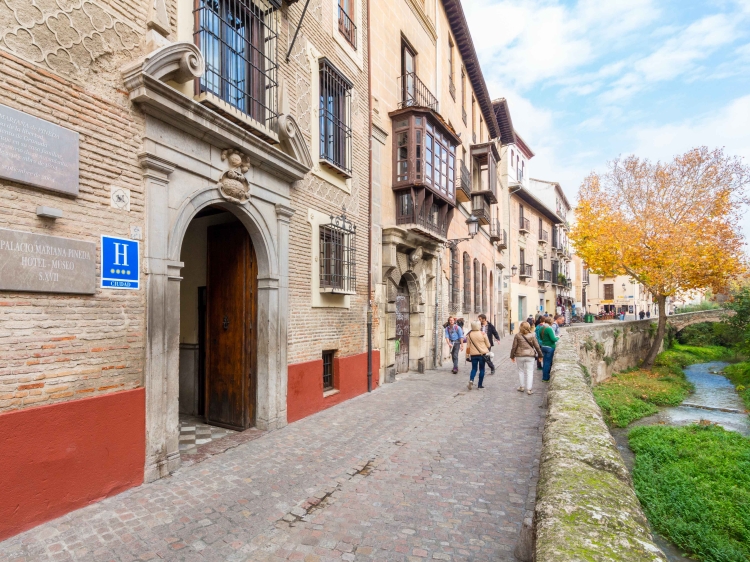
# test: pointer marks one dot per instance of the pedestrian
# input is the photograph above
(478, 346)
(648, 314)
(548, 340)
(523, 353)
(491, 332)
(557, 322)
(642, 314)
(543, 321)
(454, 337)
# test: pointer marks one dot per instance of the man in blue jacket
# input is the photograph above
(454, 337)
(492, 334)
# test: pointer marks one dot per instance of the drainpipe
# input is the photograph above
(369, 209)
(437, 305)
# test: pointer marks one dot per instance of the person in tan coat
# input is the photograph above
(478, 348)
(524, 352)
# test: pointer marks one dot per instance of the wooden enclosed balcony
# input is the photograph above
(463, 193)
(484, 159)
(480, 208)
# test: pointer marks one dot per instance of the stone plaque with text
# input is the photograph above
(46, 264)
(38, 153)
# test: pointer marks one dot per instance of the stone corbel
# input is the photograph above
(178, 62)
(292, 141)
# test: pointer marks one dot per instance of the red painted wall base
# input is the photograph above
(64, 456)
(305, 384)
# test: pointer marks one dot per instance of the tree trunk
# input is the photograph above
(660, 331)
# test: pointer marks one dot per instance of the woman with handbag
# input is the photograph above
(524, 354)
(478, 349)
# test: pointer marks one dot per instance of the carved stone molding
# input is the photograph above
(178, 62)
(233, 184)
(292, 141)
(158, 18)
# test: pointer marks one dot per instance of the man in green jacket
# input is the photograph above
(547, 339)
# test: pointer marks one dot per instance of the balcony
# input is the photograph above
(498, 235)
(480, 208)
(433, 224)
(544, 276)
(526, 271)
(414, 93)
(463, 193)
(484, 159)
(585, 280)
(347, 28)
(524, 226)
(543, 237)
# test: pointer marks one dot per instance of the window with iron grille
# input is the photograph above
(338, 256)
(609, 292)
(484, 288)
(455, 277)
(335, 118)
(238, 41)
(477, 294)
(328, 370)
(467, 283)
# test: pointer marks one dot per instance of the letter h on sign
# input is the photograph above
(120, 263)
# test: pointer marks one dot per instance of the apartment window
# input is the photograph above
(512, 158)
(338, 256)
(484, 289)
(541, 268)
(328, 370)
(451, 84)
(238, 41)
(481, 129)
(473, 119)
(522, 256)
(477, 293)
(609, 292)
(335, 118)
(346, 22)
(520, 215)
(455, 289)
(467, 283)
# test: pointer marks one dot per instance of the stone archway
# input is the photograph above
(268, 227)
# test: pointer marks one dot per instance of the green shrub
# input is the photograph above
(708, 333)
(703, 305)
(739, 374)
(694, 485)
(684, 355)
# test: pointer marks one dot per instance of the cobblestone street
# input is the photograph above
(419, 469)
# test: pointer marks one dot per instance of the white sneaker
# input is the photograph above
(471, 383)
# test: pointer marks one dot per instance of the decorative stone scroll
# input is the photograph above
(292, 141)
(179, 62)
(233, 184)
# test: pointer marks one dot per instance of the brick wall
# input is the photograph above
(59, 347)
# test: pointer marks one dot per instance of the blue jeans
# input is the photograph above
(477, 361)
(547, 354)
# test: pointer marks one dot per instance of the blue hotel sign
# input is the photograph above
(120, 263)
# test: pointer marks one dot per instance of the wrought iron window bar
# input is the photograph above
(335, 118)
(414, 93)
(238, 41)
(328, 370)
(338, 271)
(452, 88)
(347, 27)
(477, 288)
(525, 225)
(543, 236)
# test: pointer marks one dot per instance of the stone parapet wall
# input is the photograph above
(586, 506)
(611, 346)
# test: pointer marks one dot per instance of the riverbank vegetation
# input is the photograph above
(694, 485)
(634, 394)
(739, 374)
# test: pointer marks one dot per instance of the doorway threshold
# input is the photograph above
(200, 441)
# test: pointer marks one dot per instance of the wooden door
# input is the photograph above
(402, 329)
(231, 287)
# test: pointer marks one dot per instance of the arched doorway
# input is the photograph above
(218, 312)
(403, 310)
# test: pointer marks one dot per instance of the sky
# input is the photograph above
(589, 80)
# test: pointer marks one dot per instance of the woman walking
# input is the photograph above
(478, 347)
(524, 352)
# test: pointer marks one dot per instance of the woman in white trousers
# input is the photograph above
(524, 352)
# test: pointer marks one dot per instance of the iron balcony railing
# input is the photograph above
(524, 225)
(464, 184)
(425, 220)
(543, 236)
(497, 234)
(347, 27)
(526, 270)
(414, 93)
(545, 276)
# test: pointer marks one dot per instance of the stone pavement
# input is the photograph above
(420, 469)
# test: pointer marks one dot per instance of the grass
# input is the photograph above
(636, 393)
(703, 305)
(694, 485)
(739, 374)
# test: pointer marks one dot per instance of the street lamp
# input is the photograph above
(473, 224)
(513, 271)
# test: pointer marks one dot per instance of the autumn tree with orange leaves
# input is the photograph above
(672, 226)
